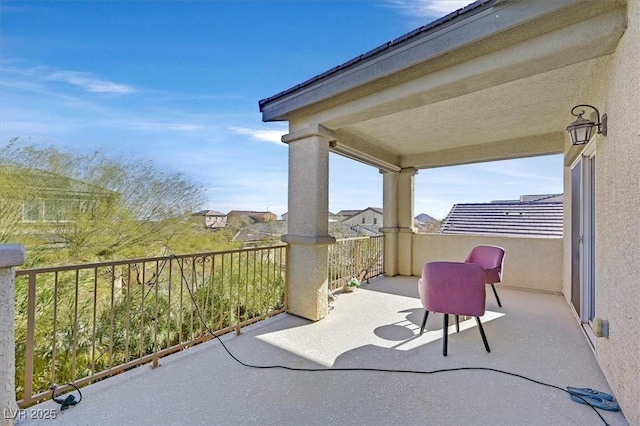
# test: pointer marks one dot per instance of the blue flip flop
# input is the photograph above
(596, 402)
(590, 392)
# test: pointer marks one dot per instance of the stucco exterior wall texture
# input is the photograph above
(530, 263)
(617, 93)
(368, 216)
(308, 234)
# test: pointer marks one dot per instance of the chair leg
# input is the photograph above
(445, 334)
(496, 294)
(484, 338)
(424, 321)
(457, 323)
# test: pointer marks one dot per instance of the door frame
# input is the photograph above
(586, 269)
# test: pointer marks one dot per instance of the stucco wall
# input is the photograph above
(530, 263)
(615, 90)
(368, 216)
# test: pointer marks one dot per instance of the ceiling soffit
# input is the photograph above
(535, 105)
(509, 95)
(571, 45)
(505, 95)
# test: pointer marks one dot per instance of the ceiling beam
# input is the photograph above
(530, 146)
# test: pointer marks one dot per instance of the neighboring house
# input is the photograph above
(33, 196)
(531, 215)
(425, 223)
(547, 198)
(248, 217)
(346, 214)
(211, 219)
(368, 216)
(493, 81)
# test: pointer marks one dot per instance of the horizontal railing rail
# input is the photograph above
(360, 257)
(78, 324)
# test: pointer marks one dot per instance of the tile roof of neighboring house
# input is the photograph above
(537, 218)
(49, 183)
(537, 198)
(247, 212)
(208, 213)
(350, 213)
(423, 217)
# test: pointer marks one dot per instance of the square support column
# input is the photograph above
(398, 229)
(406, 186)
(390, 222)
(11, 255)
(308, 217)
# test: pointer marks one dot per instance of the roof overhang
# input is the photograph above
(480, 84)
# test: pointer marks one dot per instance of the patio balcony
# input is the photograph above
(493, 81)
(183, 377)
(534, 335)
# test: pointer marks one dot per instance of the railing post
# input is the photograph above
(11, 255)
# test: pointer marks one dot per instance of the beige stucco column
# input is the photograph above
(398, 229)
(308, 217)
(11, 255)
(390, 222)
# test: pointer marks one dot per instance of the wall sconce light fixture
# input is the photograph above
(580, 130)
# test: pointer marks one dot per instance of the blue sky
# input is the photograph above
(178, 82)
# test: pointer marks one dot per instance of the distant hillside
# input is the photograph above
(425, 218)
(426, 223)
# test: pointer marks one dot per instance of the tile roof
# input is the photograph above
(208, 213)
(537, 218)
(351, 213)
(348, 213)
(49, 183)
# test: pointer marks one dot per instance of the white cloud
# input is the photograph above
(429, 8)
(266, 135)
(89, 82)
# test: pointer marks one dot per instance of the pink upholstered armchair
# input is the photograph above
(491, 258)
(453, 288)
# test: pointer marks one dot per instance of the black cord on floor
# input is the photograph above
(69, 401)
(378, 370)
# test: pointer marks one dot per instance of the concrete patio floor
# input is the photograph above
(533, 335)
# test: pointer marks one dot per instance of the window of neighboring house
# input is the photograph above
(363, 220)
(375, 220)
(85, 206)
(31, 210)
(57, 210)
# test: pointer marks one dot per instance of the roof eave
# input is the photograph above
(433, 40)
